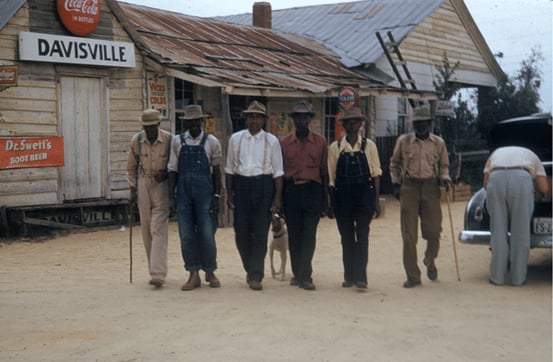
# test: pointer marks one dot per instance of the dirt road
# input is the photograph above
(69, 299)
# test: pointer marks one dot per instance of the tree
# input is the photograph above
(514, 96)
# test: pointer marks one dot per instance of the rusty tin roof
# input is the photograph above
(238, 57)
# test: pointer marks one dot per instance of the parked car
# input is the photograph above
(533, 132)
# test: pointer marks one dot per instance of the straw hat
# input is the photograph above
(302, 107)
(353, 113)
(421, 113)
(192, 111)
(255, 107)
(150, 117)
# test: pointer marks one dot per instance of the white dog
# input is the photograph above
(279, 243)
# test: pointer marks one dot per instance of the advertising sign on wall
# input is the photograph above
(8, 75)
(157, 94)
(80, 17)
(22, 152)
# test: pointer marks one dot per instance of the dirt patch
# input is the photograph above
(69, 298)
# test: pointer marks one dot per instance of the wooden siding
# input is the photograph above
(31, 108)
(442, 32)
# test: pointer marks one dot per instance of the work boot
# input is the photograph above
(212, 280)
(193, 281)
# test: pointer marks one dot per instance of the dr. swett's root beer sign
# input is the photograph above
(22, 152)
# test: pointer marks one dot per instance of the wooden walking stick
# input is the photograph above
(130, 240)
(452, 235)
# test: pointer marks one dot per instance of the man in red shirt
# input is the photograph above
(305, 191)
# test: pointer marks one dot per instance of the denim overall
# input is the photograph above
(354, 206)
(197, 225)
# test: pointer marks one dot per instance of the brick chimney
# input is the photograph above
(262, 15)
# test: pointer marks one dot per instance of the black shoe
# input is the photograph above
(347, 284)
(361, 285)
(294, 281)
(156, 283)
(256, 285)
(432, 273)
(410, 283)
(308, 285)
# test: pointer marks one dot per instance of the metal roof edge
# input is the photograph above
(8, 8)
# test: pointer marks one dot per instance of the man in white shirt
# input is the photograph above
(509, 178)
(254, 173)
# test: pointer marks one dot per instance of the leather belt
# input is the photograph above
(510, 168)
(298, 181)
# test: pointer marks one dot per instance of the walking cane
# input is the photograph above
(130, 240)
(452, 235)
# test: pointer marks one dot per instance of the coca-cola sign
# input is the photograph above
(80, 17)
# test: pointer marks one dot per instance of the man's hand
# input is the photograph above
(447, 184)
(214, 208)
(132, 196)
(161, 176)
(172, 203)
(396, 190)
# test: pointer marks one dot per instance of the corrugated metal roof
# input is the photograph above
(239, 56)
(349, 28)
(8, 8)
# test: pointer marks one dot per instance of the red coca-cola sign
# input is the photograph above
(80, 17)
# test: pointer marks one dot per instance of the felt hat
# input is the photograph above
(192, 111)
(150, 117)
(302, 107)
(255, 107)
(421, 113)
(353, 113)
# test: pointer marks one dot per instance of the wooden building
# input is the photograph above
(71, 97)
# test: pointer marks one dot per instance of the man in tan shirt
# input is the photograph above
(147, 176)
(418, 166)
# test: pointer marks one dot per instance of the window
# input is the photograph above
(329, 122)
(401, 115)
(184, 95)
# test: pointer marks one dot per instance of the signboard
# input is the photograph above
(8, 75)
(80, 17)
(157, 94)
(67, 49)
(348, 97)
(22, 152)
(445, 109)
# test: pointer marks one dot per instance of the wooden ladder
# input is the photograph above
(391, 50)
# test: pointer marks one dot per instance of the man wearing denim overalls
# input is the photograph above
(194, 170)
(354, 184)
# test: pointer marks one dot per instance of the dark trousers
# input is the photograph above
(354, 207)
(303, 204)
(253, 197)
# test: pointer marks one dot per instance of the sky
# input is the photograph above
(513, 27)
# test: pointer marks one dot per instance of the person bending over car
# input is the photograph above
(510, 175)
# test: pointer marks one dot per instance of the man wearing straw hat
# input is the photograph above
(354, 178)
(418, 166)
(305, 191)
(194, 169)
(254, 189)
(147, 177)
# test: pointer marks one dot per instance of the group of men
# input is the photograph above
(298, 176)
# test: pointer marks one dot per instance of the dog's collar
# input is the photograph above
(278, 236)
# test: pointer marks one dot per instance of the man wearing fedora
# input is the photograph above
(147, 177)
(418, 166)
(354, 178)
(305, 191)
(254, 189)
(194, 170)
